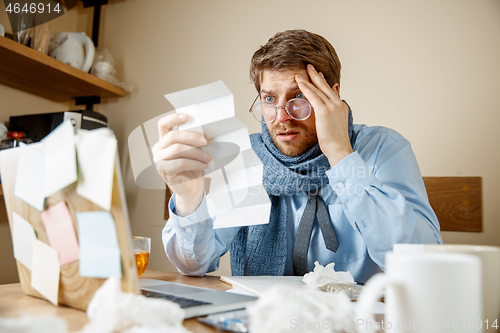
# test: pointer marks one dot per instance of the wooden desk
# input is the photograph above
(14, 303)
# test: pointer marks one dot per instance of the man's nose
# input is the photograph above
(282, 116)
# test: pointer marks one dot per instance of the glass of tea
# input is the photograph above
(141, 247)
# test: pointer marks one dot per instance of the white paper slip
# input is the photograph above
(46, 271)
(240, 291)
(23, 236)
(99, 249)
(30, 178)
(143, 168)
(256, 285)
(214, 101)
(235, 171)
(96, 160)
(60, 158)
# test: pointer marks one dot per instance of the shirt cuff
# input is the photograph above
(350, 177)
(200, 215)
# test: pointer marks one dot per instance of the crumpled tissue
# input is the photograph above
(104, 68)
(284, 308)
(322, 276)
(112, 310)
(29, 324)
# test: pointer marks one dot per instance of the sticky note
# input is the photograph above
(99, 249)
(61, 232)
(60, 158)
(30, 177)
(46, 271)
(96, 160)
(23, 236)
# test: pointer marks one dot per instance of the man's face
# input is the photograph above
(292, 137)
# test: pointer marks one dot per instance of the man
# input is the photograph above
(340, 193)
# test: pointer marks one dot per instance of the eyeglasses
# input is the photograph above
(296, 108)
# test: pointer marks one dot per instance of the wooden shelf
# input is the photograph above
(34, 72)
(1, 191)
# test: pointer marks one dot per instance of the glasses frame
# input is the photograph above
(278, 107)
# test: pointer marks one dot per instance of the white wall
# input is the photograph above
(428, 68)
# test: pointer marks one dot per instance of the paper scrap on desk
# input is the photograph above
(96, 160)
(61, 232)
(46, 271)
(60, 158)
(99, 249)
(30, 178)
(23, 236)
(235, 170)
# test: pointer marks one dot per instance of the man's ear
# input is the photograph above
(336, 88)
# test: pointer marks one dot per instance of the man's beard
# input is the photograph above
(298, 146)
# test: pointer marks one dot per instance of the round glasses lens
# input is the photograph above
(299, 108)
(264, 112)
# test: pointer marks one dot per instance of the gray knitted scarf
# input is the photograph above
(262, 249)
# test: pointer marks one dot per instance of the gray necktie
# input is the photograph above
(315, 208)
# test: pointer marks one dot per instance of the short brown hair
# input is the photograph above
(294, 49)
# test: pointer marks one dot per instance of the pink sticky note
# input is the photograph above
(61, 232)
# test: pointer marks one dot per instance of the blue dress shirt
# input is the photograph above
(376, 198)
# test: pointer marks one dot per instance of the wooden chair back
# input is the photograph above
(457, 202)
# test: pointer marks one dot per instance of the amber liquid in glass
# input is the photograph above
(141, 259)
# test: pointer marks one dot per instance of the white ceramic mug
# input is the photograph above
(425, 292)
(490, 259)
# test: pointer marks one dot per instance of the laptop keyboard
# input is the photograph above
(182, 301)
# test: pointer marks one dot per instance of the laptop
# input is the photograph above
(77, 291)
(195, 301)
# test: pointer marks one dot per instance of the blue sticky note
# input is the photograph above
(99, 249)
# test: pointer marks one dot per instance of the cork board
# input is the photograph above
(74, 290)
